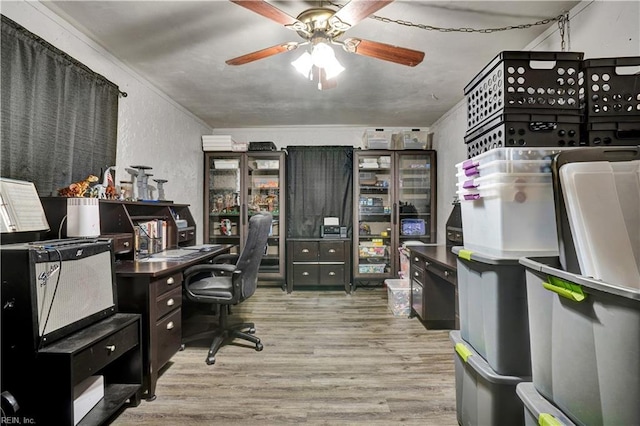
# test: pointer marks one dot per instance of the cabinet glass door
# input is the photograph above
(374, 187)
(225, 199)
(264, 179)
(414, 197)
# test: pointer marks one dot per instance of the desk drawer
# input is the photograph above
(122, 243)
(417, 294)
(169, 301)
(305, 251)
(305, 274)
(331, 251)
(417, 274)
(186, 234)
(331, 274)
(97, 356)
(167, 283)
(445, 273)
(169, 330)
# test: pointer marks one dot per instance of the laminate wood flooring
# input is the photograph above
(329, 358)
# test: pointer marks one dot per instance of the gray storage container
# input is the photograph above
(483, 397)
(492, 302)
(585, 344)
(537, 410)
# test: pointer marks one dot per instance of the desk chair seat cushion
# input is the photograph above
(220, 288)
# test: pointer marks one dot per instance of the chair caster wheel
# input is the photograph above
(210, 360)
(182, 346)
(259, 347)
(252, 330)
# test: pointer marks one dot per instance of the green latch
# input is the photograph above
(463, 351)
(545, 419)
(465, 254)
(565, 289)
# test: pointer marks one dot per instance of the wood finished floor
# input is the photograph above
(328, 358)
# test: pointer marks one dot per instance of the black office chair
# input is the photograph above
(229, 284)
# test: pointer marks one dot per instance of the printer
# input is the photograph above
(331, 228)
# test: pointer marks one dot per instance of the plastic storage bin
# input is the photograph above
(376, 139)
(584, 344)
(411, 139)
(537, 410)
(602, 189)
(525, 82)
(398, 299)
(492, 299)
(510, 220)
(483, 397)
(611, 88)
(519, 130)
(504, 166)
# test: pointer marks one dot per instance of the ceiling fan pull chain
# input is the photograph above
(563, 26)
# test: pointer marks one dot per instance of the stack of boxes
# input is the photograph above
(523, 108)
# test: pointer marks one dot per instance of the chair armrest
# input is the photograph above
(225, 258)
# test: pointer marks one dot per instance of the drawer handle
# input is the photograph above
(305, 250)
(446, 273)
(416, 274)
(170, 281)
(416, 259)
(332, 250)
(170, 302)
(305, 274)
(192, 233)
(170, 325)
(426, 264)
(331, 274)
(126, 244)
(111, 348)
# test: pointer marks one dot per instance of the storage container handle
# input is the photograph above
(463, 351)
(564, 288)
(467, 164)
(546, 419)
(465, 254)
(469, 184)
(471, 197)
(471, 171)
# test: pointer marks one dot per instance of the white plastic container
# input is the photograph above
(472, 184)
(483, 397)
(585, 344)
(398, 299)
(537, 410)
(510, 220)
(376, 139)
(504, 166)
(602, 201)
(511, 154)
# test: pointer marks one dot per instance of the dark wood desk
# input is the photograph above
(434, 286)
(154, 290)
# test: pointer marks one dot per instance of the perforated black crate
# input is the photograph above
(519, 130)
(625, 133)
(611, 88)
(524, 82)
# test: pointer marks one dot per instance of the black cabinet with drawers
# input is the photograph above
(318, 262)
(434, 288)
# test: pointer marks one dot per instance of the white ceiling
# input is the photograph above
(181, 47)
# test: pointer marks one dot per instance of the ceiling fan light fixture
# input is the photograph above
(303, 64)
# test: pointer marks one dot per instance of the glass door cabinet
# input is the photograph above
(239, 185)
(394, 204)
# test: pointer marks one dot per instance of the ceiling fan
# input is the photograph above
(321, 27)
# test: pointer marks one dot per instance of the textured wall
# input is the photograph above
(152, 129)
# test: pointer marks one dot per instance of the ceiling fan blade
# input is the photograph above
(386, 52)
(267, 10)
(261, 54)
(357, 10)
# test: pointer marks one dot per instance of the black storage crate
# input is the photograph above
(611, 88)
(612, 133)
(524, 82)
(520, 130)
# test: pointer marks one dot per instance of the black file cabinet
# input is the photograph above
(318, 262)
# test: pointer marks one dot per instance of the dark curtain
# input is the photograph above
(319, 184)
(59, 118)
